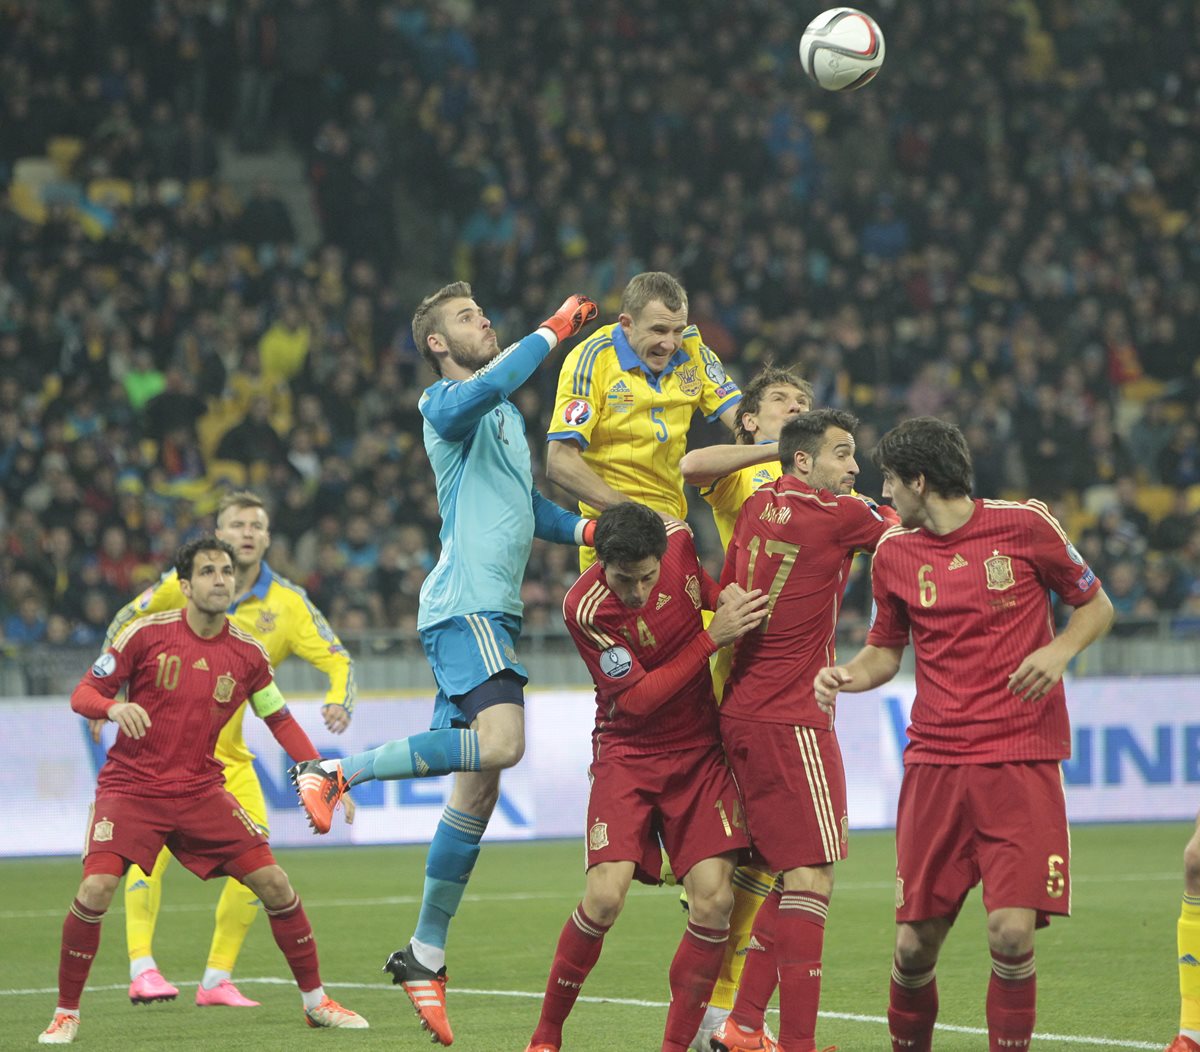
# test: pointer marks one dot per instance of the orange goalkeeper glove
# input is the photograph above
(572, 316)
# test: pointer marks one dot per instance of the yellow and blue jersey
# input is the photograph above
(727, 495)
(632, 424)
(282, 618)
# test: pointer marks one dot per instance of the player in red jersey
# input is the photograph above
(657, 766)
(982, 799)
(794, 539)
(187, 672)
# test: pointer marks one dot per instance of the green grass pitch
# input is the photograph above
(1106, 977)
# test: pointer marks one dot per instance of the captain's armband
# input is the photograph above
(268, 701)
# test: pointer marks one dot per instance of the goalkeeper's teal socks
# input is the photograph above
(417, 756)
(452, 855)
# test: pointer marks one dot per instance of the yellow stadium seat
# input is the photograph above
(64, 151)
(1155, 501)
(110, 192)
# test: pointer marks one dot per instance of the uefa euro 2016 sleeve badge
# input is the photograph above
(999, 572)
(223, 691)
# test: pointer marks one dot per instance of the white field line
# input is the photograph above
(1072, 1040)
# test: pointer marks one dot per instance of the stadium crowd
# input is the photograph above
(1002, 230)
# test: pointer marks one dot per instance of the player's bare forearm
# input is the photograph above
(1087, 623)
(565, 467)
(702, 467)
(871, 667)
(1042, 669)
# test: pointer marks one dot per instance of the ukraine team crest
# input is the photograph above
(223, 691)
(266, 621)
(689, 380)
(999, 572)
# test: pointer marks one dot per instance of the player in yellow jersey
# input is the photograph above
(626, 398)
(726, 475)
(281, 617)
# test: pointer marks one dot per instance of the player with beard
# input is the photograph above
(794, 539)
(470, 610)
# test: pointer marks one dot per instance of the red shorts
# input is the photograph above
(209, 833)
(794, 788)
(1002, 823)
(687, 798)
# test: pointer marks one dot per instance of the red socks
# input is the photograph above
(912, 1009)
(80, 940)
(1011, 1002)
(294, 936)
(693, 975)
(799, 938)
(577, 952)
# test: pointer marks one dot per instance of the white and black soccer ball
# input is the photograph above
(842, 49)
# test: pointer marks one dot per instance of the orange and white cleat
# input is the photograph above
(1182, 1044)
(330, 1015)
(541, 1047)
(150, 986)
(61, 1031)
(320, 791)
(426, 990)
(729, 1037)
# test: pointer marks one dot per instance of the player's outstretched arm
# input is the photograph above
(559, 526)
(870, 667)
(702, 467)
(566, 467)
(454, 408)
(1042, 669)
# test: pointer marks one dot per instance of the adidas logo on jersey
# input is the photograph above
(202, 665)
(662, 601)
(957, 563)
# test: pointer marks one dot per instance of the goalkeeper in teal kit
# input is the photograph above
(470, 612)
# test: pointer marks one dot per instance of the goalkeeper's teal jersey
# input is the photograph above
(490, 508)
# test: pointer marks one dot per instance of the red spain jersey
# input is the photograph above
(977, 603)
(796, 544)
(190, 687)
(620, 645)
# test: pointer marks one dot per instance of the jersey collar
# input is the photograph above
(259, 588)
(628, 358)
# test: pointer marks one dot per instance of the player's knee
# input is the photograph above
(913, 950)
(271, 885)
(711, 906)
(500, 751)
(97, 890)
(1191, 865)
(1010, 935)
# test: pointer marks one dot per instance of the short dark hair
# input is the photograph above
(649, 286)
(185, 557)
(807, 432)
(628, 533)
(931, 447)
(428, 318)
(752, 393)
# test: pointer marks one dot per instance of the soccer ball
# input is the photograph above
(842, 49)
